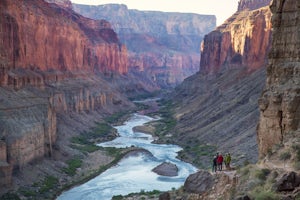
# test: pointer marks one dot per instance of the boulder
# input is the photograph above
(166, 169)
(199, 182)
(287, 182)
(164, 196)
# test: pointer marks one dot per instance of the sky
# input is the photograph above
(222, 9)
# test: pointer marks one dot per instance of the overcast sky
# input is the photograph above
(221, 8)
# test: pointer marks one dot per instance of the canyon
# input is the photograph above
(163, 47)
(244, 99)
(218, 105)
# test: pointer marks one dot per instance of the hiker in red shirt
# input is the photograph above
(220, 162)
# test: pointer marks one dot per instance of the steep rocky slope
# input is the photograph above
(217, 108)
(54, 64)
(280, 102)
(163, 47)
(276, 175)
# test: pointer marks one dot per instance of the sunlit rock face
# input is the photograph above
(44, 36)
(280, 102)
(163, 47)
(218, 106)
(252, 4)
(243, 41)
(61, 3)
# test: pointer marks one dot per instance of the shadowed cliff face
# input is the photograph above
(163, 47)
(242, 41)
(280, 101)
(218, 106)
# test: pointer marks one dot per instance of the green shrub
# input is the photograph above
(73, 164)
(262, 174)
(117, 197)
(265, 195)
(10, 196)
(285, 156)
(49, 183)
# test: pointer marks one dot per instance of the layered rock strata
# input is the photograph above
(252, 4)
(52, 62)
(218, 106)
(163, 47)
(45, 36)
(242, 41)
(280, 101)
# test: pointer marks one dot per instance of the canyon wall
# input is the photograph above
(217, 108)
(252, 4)
(46, 37)
(242, 41)
(280, 101)
(52, 62)
(163, 47)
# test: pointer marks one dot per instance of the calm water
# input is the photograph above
(133, 173)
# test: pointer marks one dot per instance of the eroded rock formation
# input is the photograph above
(52, 62)
(218, 106)
(242, 41)
(252, 4)
(280, 102)
(164, 47)
(46, 37)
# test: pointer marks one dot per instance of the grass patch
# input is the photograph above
(261, 194)
(85, 142)
(261, 174)
(10, 196)
(115, 117)
(167, 121)
(49, 183)
(285, 156)
(112, 151)
(73, 164)
(141, 194)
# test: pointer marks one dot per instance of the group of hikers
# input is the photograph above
(218, 162)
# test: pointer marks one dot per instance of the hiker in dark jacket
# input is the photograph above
(214, 166)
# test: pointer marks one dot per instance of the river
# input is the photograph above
(133, 173)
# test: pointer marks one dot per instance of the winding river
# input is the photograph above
(133, 173)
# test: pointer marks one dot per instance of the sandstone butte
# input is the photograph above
(50, 58)
(243, 40)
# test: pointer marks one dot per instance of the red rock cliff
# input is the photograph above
(242, 41)
(61, 52)
(280, 102)
(39, 35)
